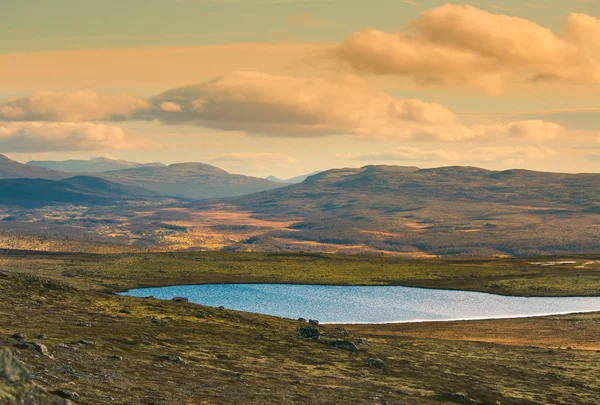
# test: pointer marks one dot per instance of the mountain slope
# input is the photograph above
(9, 169)
(75, 190)
(450, 210)
(97, 165)
(190, 180)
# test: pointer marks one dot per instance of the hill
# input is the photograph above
(443, 211)
(190, 180)
(74, 190)
(96, 165)
(10, 169)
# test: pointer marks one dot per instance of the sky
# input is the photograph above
(287, 87)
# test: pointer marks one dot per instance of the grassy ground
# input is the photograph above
(223, 356)
(500, 276)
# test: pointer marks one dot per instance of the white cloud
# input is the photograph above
(53, 137)
(77, 106)
(256, 161)
(469, 47)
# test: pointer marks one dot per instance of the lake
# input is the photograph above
(368, 304)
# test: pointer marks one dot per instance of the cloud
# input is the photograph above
(593, 158)
(263, 104)
(466, 46)
(77, 106)
(490, 154)
(55, 137)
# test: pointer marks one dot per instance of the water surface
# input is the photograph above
(372, 304)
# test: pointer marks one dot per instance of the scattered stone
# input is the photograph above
(21, 344)
(174, 359)
(201, 315)
(19, 336)
(376, 363)
(160, 322)
(11, 369)
(235, 375)
(87, 342)
(341, 332)
(116, 357)
(362, 342)
(41, 348)
(301, 320)
(66, 394)
(125, 311)
(222, 308)
(182, 300)
(342, 344)
(310, 332)
(313, 322)
(84, 324)
(41, 336)
(222, 356)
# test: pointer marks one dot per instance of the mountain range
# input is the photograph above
(96, 165)
(293, 180)
(185, 180)
(449, 210)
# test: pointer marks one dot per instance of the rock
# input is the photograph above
(376, 363)
(362, 342)
(201, 315)
(66, 394)
(84, 324)
(222, 308)
(342, 344)
(301, 320)
(160, 322)
(21, 344)
(222, 356)
(11, 369)
(342, 332)
(125, 311)
(174, 359)
(19, 336)
(41, 336)
(182, 300)
(313, 322)
(115, 357)
(41, 348)
(310, 332)
(87, 342)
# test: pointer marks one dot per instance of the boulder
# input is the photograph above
(159, 322)
(362, 342)
(342, 344)
(376, 363)
(182, 300)
(310, 332)
(313, 322)
(41, 348)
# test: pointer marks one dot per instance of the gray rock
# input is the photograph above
(11, 369)
(310, 331)
(182, 300)
(66, 394)
(362, 342)
(313, 322)
(115, 357)
(174, 359)
(41, 348)
(84, 324)
(376, 363)
(21, 344)
(19, 336)
(342, 344)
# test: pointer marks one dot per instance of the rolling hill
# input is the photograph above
(190, 180)
(10, 169)
(293, 180)
(443, 211)
(96, 165)
(31, 193)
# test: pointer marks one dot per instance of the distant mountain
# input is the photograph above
(10, 169)
(97, 165)
(74, 190)
(449, 210)
(293, 180)
(190, 180)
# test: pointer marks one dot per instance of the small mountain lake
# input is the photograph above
(368, 304)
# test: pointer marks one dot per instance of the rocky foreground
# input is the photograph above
(66, 341)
